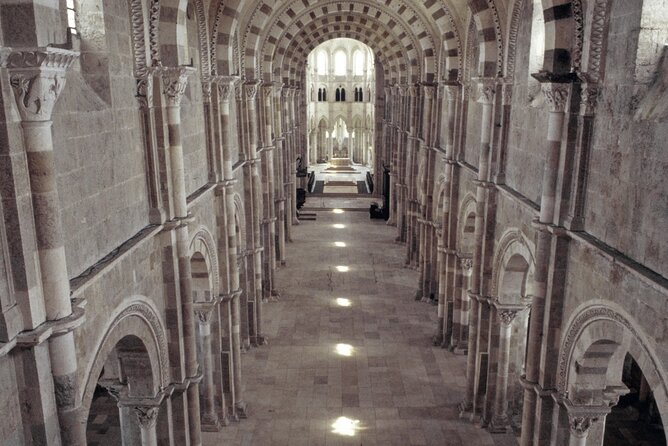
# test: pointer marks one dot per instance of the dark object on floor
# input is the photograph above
(378, 213)
(301, 197)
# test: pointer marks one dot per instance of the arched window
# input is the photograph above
(322, 63)
(319, 94)
(357, 94)
(338, 95)
(340, 63)
(324, 95)
(361, 98)
(358, 63)
(343, 95)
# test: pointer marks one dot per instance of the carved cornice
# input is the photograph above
(37, 76)
(556, 95)
(175, 81)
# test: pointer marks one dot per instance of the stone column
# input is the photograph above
(288, 173)
(589, 98)
(253, 171)
(506, 315)
(210, 421)
(175, 80)
(225, 88)
(270, 217)
(37, 76)
(487, 92)
(280, 172)
(556, 95)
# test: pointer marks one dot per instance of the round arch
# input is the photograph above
(513, 263)
(202, 242)
(466, 225)
(136, 318)
(604, 331)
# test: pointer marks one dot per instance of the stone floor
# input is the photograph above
(348, 340)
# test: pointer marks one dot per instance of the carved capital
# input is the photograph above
(412, 91)
(206, 91)
(507, 92)
(466, 263)
(250, 90)
(175, 81)
(145, 91)
(225, 86)
(589, 99)
(204, 314)
(429, 91)
(556, 95)
(486, 90)
(37, 76)
(580, 425)
(451, 92)
(506, 317)
(146, 416)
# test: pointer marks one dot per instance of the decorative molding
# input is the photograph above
(138, 37)
(578, 24)
(597, 39)
(466, 263)
(153, 31)
(511, 48)
(556, 95)
(175, 81)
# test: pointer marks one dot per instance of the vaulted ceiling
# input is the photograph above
(415, 41)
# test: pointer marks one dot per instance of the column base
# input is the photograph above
(259, 340)
(499, 425)
(459, 350)
(241, 410)
(211, 423)
(465, 410)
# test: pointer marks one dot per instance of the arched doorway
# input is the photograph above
(125, 394)
(606, 362)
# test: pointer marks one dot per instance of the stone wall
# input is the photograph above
(627, 202)
(100, 154)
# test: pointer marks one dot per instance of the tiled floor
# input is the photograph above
(394, 388)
